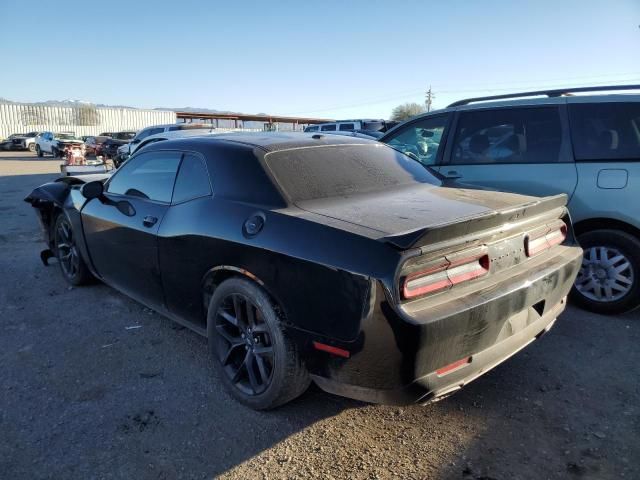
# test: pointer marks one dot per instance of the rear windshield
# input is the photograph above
(338, 170)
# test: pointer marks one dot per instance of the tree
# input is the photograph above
(406, 110)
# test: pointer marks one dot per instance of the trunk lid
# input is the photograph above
(423, 214)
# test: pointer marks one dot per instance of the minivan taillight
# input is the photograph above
(543, 239)
(444, 275)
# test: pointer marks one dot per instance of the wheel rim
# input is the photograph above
(244, 344)
(606, 274)
(67, 251)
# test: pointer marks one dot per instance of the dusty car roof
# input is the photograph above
(276, 141)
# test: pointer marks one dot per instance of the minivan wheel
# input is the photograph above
(609, 279)
(259, 364)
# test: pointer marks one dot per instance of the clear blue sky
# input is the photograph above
(328, 58)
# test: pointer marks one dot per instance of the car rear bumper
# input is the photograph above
(402, 357)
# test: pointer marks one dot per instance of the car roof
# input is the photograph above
(524, 101)
(266, 141)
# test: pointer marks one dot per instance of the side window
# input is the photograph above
(511, 135)
(421, 139)
(328, 128)
(347, 126)
(148, 175)
(192, 181)
(311, 129)
(605, 131)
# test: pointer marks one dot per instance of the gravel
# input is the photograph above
(85, 395)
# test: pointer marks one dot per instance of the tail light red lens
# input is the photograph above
(543, 239)
(444, 275)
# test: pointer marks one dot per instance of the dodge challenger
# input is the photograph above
(330, 259)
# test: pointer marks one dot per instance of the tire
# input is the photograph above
(32, 147)
(72, 266)
(262, 380)
(54, 152)
(39, 151)
(609, 280)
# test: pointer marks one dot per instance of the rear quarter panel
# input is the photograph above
(319, 276)
(607, 190)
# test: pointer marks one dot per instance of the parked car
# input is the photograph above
(111, 145)
(586, 146)
(56, 143)
(20, 141)
(351, 125)
(368, 134)
(318, 257)
(93, 145)
(158, 137)
(125, 150)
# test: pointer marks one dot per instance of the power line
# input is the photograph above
(412, 93)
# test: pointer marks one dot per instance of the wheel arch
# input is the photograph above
(590, 224)
(216, 275)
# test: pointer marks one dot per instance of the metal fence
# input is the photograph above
(82, 119)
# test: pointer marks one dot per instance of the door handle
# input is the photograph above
(453, 174)
(149, 221)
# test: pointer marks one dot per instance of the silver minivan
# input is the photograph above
(545, 143)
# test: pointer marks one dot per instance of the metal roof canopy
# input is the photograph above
(549, 93)
(250, 118)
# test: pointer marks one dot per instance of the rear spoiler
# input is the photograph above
(463, 227)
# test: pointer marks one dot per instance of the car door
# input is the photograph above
(45, 142)
(121, 228)
(523, 150)
(185, 250)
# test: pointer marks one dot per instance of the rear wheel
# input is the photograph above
(259, 364)
(73, 268)
(609, 279)
(32, 147)
(38, 151)
(54, 152)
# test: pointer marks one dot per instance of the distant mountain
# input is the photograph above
(77, 103)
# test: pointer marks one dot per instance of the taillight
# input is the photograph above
(544, 238)
(446, 272)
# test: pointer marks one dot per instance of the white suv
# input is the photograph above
(127, 149)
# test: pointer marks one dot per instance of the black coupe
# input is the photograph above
(309, 257)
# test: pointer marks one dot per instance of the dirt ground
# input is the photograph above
(93, 385)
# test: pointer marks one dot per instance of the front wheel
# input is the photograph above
(39, 151)
(73, 268)
(609, 279)
(32, 147)
(259, 364)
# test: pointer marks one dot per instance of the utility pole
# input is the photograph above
(429, 96)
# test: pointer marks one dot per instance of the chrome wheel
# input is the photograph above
(606, 274)
(244, 344)
(67, 251)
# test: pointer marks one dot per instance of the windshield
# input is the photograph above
(66, 136)
(338, 170)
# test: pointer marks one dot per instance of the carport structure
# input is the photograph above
(239, 120)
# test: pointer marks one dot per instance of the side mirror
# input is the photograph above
(92, 190)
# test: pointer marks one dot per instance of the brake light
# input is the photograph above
(543, 239)
(445, 274)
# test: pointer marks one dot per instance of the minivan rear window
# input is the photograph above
(605, 131)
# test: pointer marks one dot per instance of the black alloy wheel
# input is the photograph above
(259, 363)
(244, 344)
(71, 263)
